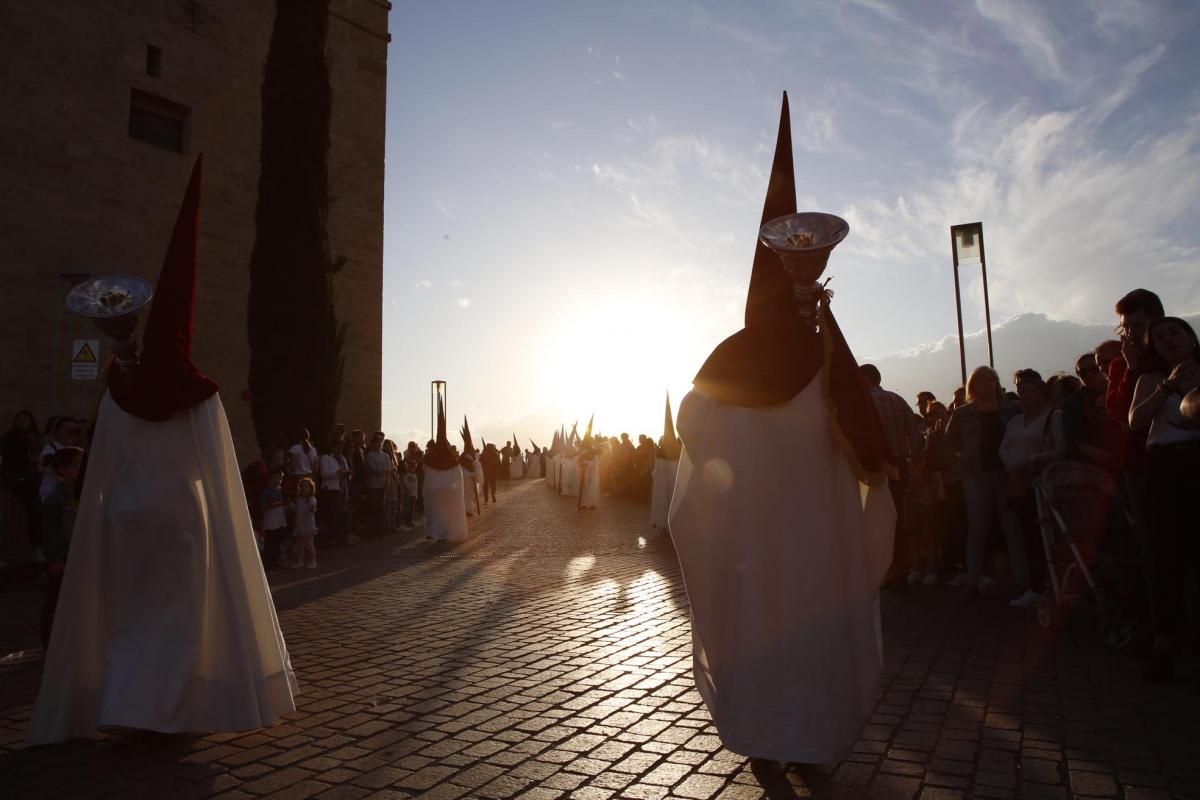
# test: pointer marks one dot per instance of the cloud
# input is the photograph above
(454, 284)
(1027, 28)
(759, 42)
(423, 284)
(464, 302)
(1072, 222)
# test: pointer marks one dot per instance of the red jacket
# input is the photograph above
(1119, 397)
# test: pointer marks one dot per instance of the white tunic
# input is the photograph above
(555, 476)
(469, 490)
(515, 468)
(533, 466)
(445, 511)
(165, 621)
(589, 483)
(570, 483)
(660, 497)
(782, 551)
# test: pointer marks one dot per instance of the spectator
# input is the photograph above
(902, 435)
(348, 451)
(274, 520)
(303, 457)
(1088, 432)
(20, 468)
(356, 490)
(331, 507)
(304, 524)
(408, 492)
(926, 511)
(377, 465)
(1032, 439)
(1104, 354)
(1136, 311)
(60, 432)
(391, 492)
(58, 521)
(1170, 368)
(974, 434)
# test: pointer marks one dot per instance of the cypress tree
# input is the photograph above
(296, 341)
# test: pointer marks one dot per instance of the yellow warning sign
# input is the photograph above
(85, 359)
(85, 355)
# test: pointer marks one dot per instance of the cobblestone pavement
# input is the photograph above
(550, 657)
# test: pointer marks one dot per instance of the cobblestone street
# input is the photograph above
(550, 657)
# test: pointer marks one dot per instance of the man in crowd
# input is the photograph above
(903, 436)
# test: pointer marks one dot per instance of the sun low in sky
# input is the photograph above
(574, 190)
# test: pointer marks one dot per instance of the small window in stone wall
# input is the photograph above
(153, 61)
(158, 121)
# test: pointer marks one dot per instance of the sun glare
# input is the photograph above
(616, 359)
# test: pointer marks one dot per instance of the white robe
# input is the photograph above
(445, 510)
(660, 497)
(533, 466)
(570, 484)
(555, 476)
(783, 552)
(165, 621)
(589, 483)
(470, 492)
(515, 467)
(478, 474)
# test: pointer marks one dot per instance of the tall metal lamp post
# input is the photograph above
(966, 245)
(437, 391)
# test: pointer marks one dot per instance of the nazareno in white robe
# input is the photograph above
(570, 484)
(165, 621)
(533, 466)
(445, 509)
(783, 551)
(470, 492)
(660, 496)
(516, 468)
(589, 483)
(555, 476)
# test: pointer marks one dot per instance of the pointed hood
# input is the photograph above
(165, 380)
(669, 447)
(778, 352)
(440, 455)
(468, 445)
(587, 434)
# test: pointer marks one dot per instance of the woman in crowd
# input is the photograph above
(1173, 469)
(974, 434)
(1033, 439)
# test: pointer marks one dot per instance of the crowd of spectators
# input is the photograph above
(963, 473)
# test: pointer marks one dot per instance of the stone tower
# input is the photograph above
(102, 111)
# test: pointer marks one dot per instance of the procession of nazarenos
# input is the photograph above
(590, 417)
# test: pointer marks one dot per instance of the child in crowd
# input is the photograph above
(408, 489)
(274, 519)
(304, 524)
(58, 521)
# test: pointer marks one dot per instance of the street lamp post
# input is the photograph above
(966, 246)
(437, 391)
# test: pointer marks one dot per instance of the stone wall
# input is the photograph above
(78, 194)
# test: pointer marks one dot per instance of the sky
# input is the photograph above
(573, 189)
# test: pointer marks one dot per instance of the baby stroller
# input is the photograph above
(1077, 506)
